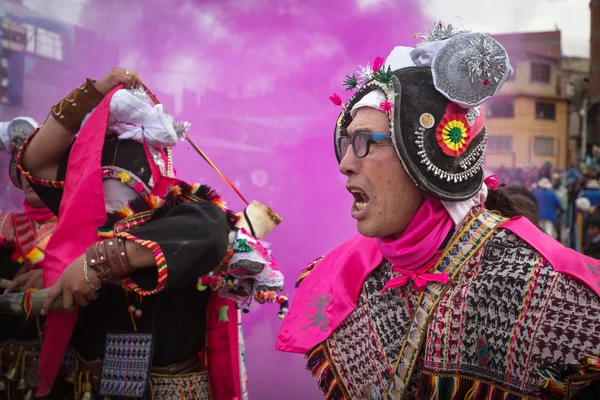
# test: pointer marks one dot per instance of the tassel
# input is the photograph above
(315, 358)
(133, 323)
(320, 368)
(434, 384)
(472, 393)
(456, 381)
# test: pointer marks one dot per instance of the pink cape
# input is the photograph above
(82, 212)
(329, 293)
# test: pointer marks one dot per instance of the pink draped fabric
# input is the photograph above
(335, 283)
(567, 261)
(329, 293)
(37, 214)
(82, 211)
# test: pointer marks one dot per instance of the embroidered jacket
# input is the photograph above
(509, 326)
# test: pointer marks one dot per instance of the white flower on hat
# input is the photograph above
(133, 118)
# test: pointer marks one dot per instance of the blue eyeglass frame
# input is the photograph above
(368, 136)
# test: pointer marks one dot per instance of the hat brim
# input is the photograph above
(414, 149)
(420, 155)
(13, 170)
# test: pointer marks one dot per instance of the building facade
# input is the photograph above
(528, 121)
(593, 111)
(41, 60)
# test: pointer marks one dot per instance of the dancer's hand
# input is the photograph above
(116, 76)
(24, 282)
(73, 287)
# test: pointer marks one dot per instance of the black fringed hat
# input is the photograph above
(432, 96)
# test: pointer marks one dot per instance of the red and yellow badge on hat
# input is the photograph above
(453, 134)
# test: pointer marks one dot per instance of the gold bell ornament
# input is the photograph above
(87, 394)
(28, 395)
(12, 373)
(72, 376)
(13, 370)
(22, 385)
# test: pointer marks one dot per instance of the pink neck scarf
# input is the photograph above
(37, 214)
(335, 284)
(412, 254)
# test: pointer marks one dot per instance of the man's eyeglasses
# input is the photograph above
(361, 143)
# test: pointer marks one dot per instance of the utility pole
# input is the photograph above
(583, 112)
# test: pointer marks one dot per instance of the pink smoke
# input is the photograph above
(253, 78)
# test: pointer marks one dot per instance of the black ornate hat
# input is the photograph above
(432, 95)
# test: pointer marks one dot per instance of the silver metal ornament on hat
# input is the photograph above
(470, 68)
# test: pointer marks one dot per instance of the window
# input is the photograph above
(545, 110)
(540, 72)
(500, 143)
(4, 95)
(500, 109)
(543, 146)
(44, 43)
(30, 38)
(13, 35)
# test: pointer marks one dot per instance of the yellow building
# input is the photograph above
(528, 121)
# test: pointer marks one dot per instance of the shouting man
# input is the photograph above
(437, 297)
